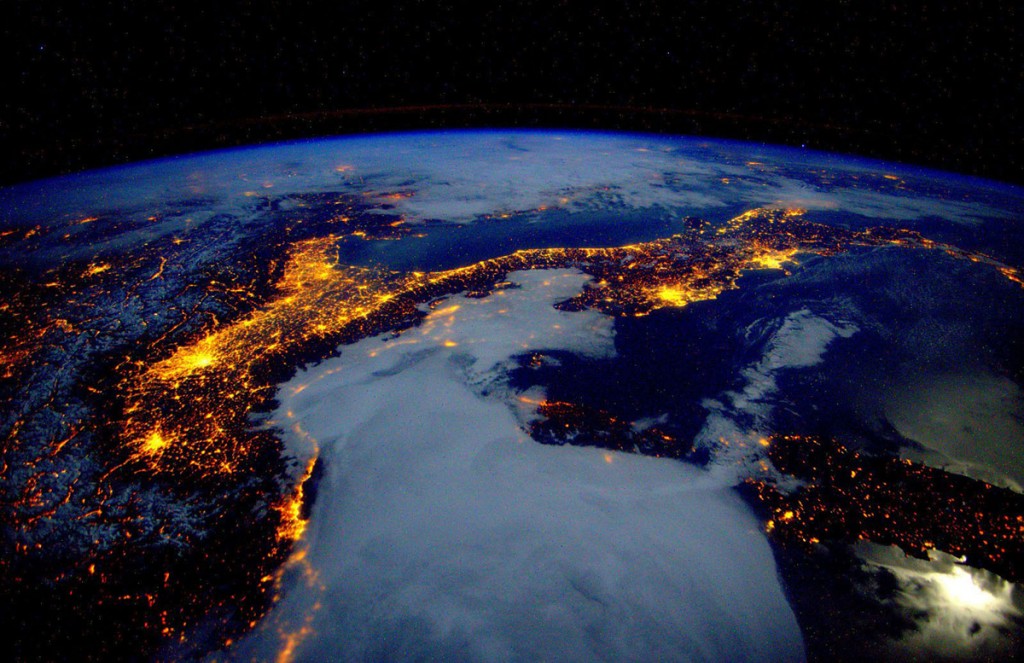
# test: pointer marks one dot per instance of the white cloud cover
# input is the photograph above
(961, 613)
(460, 176)
(738, 420)
(969, 424)
(443, 532)
(785, 193)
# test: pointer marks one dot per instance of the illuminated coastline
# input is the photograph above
(184, 413)
(850, 497)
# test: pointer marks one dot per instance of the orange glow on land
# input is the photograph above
(1013, 275)
(154, 443)
(609, 458)
(293, 525)
(291, 641)
(187, 408)
(184, 363)
(680, 295)
(200, 395)
(450, 344)
(399, 195)
(447, 310)
(97, 268)
(847, 496)
(160, 271)
(773, 259)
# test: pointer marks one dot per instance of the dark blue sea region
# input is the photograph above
(133, 525)
(666, 363)
(441, 246)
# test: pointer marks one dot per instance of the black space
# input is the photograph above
(94, 83)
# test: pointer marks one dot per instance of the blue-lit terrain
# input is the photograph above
(505, 395)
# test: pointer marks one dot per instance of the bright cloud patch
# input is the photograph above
(441, 531)
(960, 613)
(463, 176)
(738, 421)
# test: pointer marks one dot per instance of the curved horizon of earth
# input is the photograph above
(497, 395)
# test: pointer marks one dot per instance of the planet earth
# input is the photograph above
(512, 395)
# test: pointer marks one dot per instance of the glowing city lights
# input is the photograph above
(184, 412)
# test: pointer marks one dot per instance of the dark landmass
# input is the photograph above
(155, 515)
(571, 423)
(850, 496)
